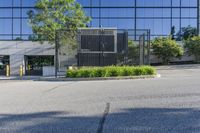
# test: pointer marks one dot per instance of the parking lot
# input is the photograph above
(169, 104)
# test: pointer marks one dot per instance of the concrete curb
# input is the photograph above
(76, 79)
(100, 79)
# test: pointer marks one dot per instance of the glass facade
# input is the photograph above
(157, 15)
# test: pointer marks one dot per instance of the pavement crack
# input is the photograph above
(56, 87)
(52, 89)
(103, 119)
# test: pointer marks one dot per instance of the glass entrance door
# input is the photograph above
(34, 64)
(4, 61)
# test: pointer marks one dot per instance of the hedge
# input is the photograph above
(110, 71)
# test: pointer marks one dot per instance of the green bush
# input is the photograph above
(139, 71)
(83, 73)
(110, 71)
(165, 48)
(125, 71)
(97, 72)
(193, 47)
(72, 73)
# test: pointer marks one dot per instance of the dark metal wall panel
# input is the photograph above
(97, 42)
(96, 59)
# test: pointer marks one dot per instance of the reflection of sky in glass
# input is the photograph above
(122, 15)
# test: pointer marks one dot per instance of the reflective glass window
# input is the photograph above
(16, 12)
(153, 3)
(84, 2)
(117, 3)
(16, 3)
(176, 13)
(6, 26)
(189, 3)
(28, 3)
(176, 3)
(5, 12)
(26, 29)
(16, 26)
(5, 3)
(188, 12)
(118, 23)
(115, 12)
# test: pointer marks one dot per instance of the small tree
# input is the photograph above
(52, 15)
(193, 47)
(166, 48)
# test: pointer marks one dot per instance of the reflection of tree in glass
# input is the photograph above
(173, 31)
(186, 32)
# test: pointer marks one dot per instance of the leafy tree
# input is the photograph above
(193, 47)
(50, 16)
(166, 48)
(186, 33)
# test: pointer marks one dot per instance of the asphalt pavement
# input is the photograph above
(170, 104)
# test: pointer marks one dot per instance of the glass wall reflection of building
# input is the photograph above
(157, 15)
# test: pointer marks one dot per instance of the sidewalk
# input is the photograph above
(19, 78)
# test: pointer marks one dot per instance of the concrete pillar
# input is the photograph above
(15, 62)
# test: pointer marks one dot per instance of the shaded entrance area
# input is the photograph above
(34, 64)
(4, 61)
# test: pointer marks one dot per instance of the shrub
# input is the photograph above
(83, 73)
(149, 71)
(126, 71)
(95, 72)
(193, 47)
(139, 71)
(72, 73)
(111, 71)
(166, 48)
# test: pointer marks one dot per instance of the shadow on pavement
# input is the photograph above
(140, 120)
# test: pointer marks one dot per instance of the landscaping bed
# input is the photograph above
(110, 71)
